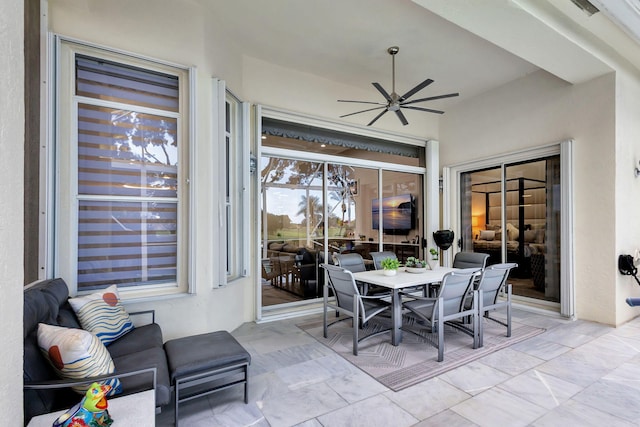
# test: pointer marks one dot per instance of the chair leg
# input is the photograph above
(356, 326)
(325, 299)
(508, 310)
(475, 320)
(440, 331)
(324, 322)
(480, 318)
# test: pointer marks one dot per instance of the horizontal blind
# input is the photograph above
(127, 243)
(97, 78)
(127, 175)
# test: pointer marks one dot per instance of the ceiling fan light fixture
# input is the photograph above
(395, 102)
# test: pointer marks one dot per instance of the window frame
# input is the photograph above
(62, 172)
(451, 209)
(230, 118)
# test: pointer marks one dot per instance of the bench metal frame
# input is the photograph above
(186, 382)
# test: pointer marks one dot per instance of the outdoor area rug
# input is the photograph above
(415, 359)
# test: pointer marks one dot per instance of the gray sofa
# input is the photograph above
(47, 302)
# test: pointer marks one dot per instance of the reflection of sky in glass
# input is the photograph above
(146, 136)
(285, 201)
(281, 201)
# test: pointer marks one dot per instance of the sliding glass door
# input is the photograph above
(328, 189)
(513, 213)
(312, 210)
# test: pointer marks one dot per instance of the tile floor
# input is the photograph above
(575, 374)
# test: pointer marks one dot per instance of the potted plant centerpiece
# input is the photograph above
(414, 265)
(433, 259)
(390, 266)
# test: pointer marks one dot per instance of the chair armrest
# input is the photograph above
(53, 384)
(376, 297)
(417, 297)
(143, 312)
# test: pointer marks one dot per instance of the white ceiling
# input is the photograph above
(346, 41)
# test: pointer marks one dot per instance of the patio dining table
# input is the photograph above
(401, 280)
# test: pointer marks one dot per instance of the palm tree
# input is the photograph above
(311, 207)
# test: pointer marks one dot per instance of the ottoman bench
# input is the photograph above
(203, 364)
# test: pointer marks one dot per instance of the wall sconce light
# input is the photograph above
(637, 171)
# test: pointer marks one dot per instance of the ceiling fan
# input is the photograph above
(396, 102)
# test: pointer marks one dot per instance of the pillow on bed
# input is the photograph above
(530, 236)
(487, 234)
(512, 232)
(540, 235)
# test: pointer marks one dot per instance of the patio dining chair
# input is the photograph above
(351, 303)
(352, 262)
(492, 281)
(355, 264)
(377, 258)
(470, 260)
(447, 307)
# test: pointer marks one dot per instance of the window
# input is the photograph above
(230, 185)
(235, 189)
(121, 171)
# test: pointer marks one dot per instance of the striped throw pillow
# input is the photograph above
(76, 354)
(102, 314)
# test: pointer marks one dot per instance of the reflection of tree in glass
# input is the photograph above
(294, 172)
(311, 208)
(150, 142)
(151, 135)
(340, 176)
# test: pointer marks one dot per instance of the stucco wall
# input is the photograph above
(185, 33)
(11, 210)
(540, 109)
(535, 110)
(181, 33)
(627, 186)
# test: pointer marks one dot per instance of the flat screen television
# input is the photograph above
(398, 214)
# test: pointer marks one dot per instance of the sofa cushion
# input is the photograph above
(149, 358)
(102, 314)
(35, 311)
(37, 369)
(76, 354)
(141, 338)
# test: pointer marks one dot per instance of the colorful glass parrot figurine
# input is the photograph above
(91, 411)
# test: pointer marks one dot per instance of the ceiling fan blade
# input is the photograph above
(361, 102)
(423, 109)
(402, 118)
(382, 91)
(362, 111)
(431, 98)
(416, 89)
(377, 117)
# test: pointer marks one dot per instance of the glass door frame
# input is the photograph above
(452, 209)
(430, 200)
